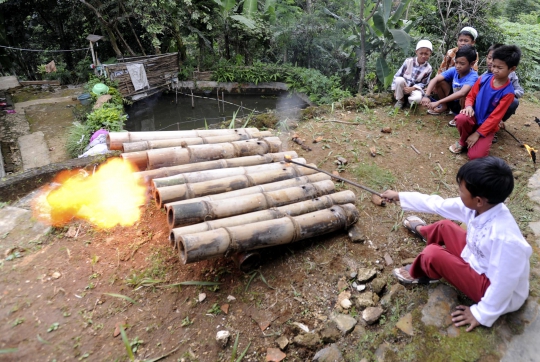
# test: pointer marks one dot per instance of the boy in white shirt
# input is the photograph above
(490, 261)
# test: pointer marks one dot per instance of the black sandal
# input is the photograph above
(412, 222)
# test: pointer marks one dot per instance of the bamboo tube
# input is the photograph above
(183, 142)
(225, 241)
(299, 208)
(207, 175)
(212, 165)
(116, 139)
(273, 186)
(178, 156)
(169, 194)
(191, 213)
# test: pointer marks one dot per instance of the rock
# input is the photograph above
(345, 295)
(341, 161)
(394, 291)
(330, 333)
(282, 342)
(377, 285)
(361, 287)
(329, 354)
(442, 301)
(263, 318)
(225, 308)
(405, 324)
(344, 322)
(202, 297)
(345, 303)
(365, 274)
(222, 338)
(373, 151)
(372, 314)
(358, 331)
(380, 352)
(335, 173)
(354, 285)
(356, 234)
(301, 327)
(364, 300)
(386, 130)
(56, 275)
(517, 174)
(388, 259)
(342, 284)
(274, 355)
(230, 298)
(353, 274)
(308, 340)
(72, 232)
(318, 139)
(527, 124)
(452, 331)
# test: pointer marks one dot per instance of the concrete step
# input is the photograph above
(34, 150)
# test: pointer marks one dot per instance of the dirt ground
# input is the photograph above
(67, 297)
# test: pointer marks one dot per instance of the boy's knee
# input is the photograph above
(400, 81)
(432, 254)
(462, 119)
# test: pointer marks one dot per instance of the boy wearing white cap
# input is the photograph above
(413, 75)
(467, 36)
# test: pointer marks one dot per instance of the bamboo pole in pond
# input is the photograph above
(116, 139)
(195, 212)
(183, 142)
(167, 194)
(216, 164)
(179, 156)
(202, 176)
(263, 234)
(273, 186)
(299, 208)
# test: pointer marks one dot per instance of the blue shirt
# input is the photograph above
(452, 76)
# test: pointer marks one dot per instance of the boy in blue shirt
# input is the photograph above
(453, 85)
(486, 104)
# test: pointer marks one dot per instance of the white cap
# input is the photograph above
(470, 30)
(424, 44)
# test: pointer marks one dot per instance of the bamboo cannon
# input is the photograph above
(183, 142)
(274, 186)
(116, 139)
(226, 241)
(195, 212)
(216, 164)
(169, 194)
(207, 175)
(165, 157)
(299, 208)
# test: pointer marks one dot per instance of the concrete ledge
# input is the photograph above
(16, 186)
(34, 150)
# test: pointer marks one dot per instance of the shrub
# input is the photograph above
(77, 139)
(109, 116)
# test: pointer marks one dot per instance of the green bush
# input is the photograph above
(77, 139)
(110, 117)
(527, 37)
(319, 88)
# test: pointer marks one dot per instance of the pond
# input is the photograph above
(161, 112)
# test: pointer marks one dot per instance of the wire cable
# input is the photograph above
(43, 50)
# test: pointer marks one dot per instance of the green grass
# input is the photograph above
(371, 175)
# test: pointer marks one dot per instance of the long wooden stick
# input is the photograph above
(334, 176)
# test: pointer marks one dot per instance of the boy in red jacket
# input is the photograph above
(486, 104)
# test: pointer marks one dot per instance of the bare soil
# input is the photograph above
(72, 317)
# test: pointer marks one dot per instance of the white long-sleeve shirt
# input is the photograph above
(495, 247)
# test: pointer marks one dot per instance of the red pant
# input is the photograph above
(466, 126)
(437, 262)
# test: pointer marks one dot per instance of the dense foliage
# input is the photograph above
(346, 45)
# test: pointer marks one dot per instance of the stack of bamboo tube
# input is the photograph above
(228, 192)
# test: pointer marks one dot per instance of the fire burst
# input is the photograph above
(532, 152)
(109, 197)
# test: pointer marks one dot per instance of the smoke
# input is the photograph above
(288, 110)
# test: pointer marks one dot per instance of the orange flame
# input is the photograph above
(109, 197)
(287, 159)
(532, 152)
